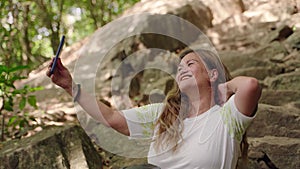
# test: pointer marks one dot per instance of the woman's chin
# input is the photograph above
(187, 86)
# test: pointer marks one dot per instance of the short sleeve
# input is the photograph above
(236, 122)
(141, 120)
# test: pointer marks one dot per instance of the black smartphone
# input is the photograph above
(61, 44)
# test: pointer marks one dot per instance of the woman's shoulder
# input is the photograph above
(151, 111)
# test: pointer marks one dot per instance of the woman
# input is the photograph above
(201, 123)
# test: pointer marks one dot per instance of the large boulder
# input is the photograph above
(194, 11)
(65, 147)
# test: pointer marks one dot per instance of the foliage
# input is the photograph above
(10, 96)
(31, 29)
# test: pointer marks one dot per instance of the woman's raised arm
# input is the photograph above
(96, 109)
(247, 93)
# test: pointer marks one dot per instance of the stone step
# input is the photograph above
(281, 121)
(280, 97)
(274, 152)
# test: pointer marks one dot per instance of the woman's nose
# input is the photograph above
(180, 73)
(183, 70)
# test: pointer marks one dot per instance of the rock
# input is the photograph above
(279, 58)
(269, 11)
(279, 121)
(274, 135)
(258, 72)
(283, 33)
(193, 11)
(279, 97)
(278, 152)
(235, 60)
(286, 81)
(291, 62)
(54, 147)
(224, 9)
(278, 33)
(294, 39)
(269, 51)
(120, 43)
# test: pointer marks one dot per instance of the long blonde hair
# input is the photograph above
(170, 123)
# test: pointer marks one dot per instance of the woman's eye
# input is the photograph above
(190, 63)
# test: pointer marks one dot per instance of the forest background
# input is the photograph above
(30, 33)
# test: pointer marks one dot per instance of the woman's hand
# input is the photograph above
(98, 110)
(61, 76)
(247, 93)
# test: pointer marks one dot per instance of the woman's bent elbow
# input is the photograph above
(253, 87)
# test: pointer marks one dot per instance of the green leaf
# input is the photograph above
(17, 68)
(7, 83)
(8, 106)
(3, 69)
(22, 123)
(32, 101)
(22, 103)
(33, 89)
(17, 91)
(12, 120)
(16, 77)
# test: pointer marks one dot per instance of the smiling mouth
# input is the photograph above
(185, 77)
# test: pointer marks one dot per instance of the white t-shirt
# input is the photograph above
(210, 140)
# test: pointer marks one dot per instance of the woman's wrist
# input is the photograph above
(231, 88)
(69, 89)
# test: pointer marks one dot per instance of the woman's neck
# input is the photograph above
(200, 103)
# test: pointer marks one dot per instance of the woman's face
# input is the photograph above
(192, 73)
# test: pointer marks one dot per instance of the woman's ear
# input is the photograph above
(213, 75)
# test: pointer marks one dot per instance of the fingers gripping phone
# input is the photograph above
(57, 54)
